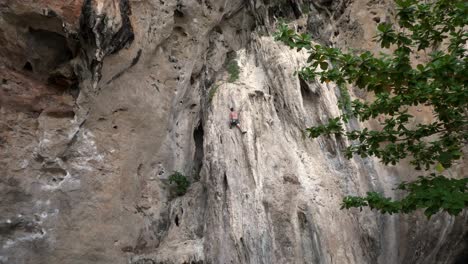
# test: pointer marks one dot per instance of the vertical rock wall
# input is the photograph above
(102, 100)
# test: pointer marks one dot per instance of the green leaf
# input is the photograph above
(324, 65)
(400, 81)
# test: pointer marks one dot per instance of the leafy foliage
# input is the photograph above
(181, 183)
(437, 27)
(432, 193)
(233, 70)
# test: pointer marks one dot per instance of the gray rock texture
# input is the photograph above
(102, 100)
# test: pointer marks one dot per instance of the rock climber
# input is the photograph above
(234, 120)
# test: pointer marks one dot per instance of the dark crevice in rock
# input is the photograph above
(28, 19)
(312, 104)
(296, 8)
(286, 9)
(48, 48)
(311, 247)
(136, 59)
(305, 90)
(225, 182)
(54, 170)
(48, 54)
(178, 13)
(28, 67)
(161, 226)
(218, 29)
(99, 40)
(310, 100)
(50, 57)
(61, 80)
(291, 179)
(127, 249)
(180, 31)
(61, 113)
(19, 226)
(176, 220)
(110, 42)
(245, 252)
(198, 135)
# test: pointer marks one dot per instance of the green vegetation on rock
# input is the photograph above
(181, 183)
(233, 70)
(399, 82)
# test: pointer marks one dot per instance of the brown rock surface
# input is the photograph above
(69, 11)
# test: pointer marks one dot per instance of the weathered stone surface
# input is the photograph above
(101, 100)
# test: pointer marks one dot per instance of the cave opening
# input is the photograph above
(52, 50)
(28, 67)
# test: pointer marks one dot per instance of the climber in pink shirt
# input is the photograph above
(234, 120)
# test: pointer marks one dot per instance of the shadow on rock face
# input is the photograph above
(48, 50)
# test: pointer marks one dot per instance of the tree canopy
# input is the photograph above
(400, 81)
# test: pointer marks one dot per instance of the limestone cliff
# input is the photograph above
(102, 100)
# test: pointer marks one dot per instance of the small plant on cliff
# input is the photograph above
(233, 70)
(181, 183)
(439, 28)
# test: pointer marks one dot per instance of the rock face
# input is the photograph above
(102, 100)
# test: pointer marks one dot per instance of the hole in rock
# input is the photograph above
(198, 135)
(176, 220)
(218, 29)
(50, 48)
(181, 31)
(61, 113)
(178, 13)
(225, 182)
(28, 67)
(115, 127)
(208, 5)
(302, 218)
